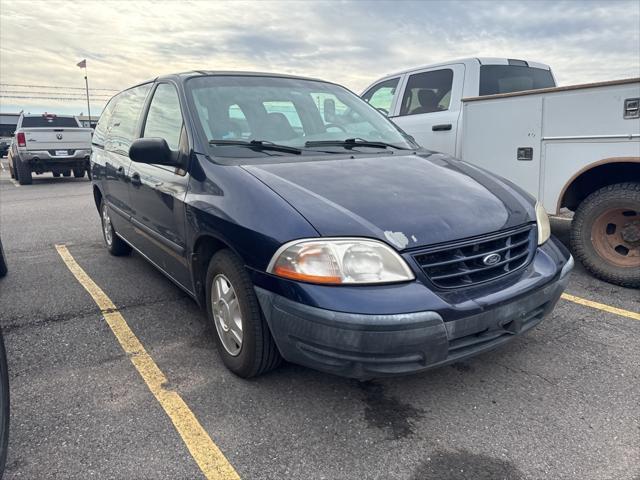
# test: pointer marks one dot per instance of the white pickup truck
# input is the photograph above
(49, 143)
(575, 147)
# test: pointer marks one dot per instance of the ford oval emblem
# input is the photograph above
(59, 136)
(491, 259)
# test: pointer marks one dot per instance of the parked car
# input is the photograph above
(310, 227)
(4, 146)
(49, 143)
(575, 147)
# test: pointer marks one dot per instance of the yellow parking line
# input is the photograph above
(601, 306)
(208, 456)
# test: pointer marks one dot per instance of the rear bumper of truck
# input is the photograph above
(47, 160)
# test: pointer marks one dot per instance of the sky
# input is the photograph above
(351, 43)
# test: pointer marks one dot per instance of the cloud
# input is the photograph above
(352, 43)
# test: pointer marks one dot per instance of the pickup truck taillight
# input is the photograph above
(22, 141)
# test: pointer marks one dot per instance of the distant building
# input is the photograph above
(8, 122)
(84, 120)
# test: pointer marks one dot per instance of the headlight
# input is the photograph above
(339, 261)
(542, 219)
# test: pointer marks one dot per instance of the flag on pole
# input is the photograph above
(83, 63)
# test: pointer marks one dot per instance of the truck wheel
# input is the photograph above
(242, 335)
(23, 172)
(56, 174)
(78, 172)
(66, 173)
(605, 234)
(116, 246)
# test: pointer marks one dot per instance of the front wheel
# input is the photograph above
(114, 243)
(242, 335)
(605, 234)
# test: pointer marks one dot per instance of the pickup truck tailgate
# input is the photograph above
(57, 138)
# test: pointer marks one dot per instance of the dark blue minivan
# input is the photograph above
(312, 229)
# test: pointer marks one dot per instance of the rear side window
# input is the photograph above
(427, 92)
(380, 96)
(164, 119)
(49, 121)
(513, 78)
(124, 120)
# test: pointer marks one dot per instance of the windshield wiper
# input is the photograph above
(352, 142)
(258, 145)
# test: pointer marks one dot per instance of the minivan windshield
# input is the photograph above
(248, 116)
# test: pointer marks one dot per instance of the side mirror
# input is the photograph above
(153, 150)
(329, 110)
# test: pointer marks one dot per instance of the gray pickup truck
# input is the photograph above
(49, 143)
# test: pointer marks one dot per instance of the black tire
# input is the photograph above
(3, 264)
(258, 353)
(4, 405)
(625, 196)
(12, 169)
(23, 172)
(56, 174)
(66, 173)
(78, 172)
(115, 245)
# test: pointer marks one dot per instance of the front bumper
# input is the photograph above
(366, 346)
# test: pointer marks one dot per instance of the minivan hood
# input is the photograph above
(407, 200)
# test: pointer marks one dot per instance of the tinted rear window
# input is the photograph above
(513, 78)
(57, 122)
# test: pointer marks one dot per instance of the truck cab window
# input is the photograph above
(380, 96)
(513, 78)
(427, 92)
(164, 119)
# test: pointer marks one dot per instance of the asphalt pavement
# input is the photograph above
(559, 403)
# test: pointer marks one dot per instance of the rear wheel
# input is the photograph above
(114, 243)
(66, 173)
(23, 173)
(605, 234)
(78, 172)
(56, 174)
(242, 335)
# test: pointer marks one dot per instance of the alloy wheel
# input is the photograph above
(226, 314)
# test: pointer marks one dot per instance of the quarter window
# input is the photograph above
(124, 121)
(164, 119)
(380, 96)
(100, 133)
(427, 92)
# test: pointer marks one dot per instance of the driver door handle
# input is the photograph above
(442, 127)
(135, 179)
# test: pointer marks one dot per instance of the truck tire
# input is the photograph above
(66, 173)
(23, 173)
(78, 172)
(232, 306)
(605, 234)
(56, 174)
(115, 245)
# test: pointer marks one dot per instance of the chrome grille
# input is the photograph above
(467, 262)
